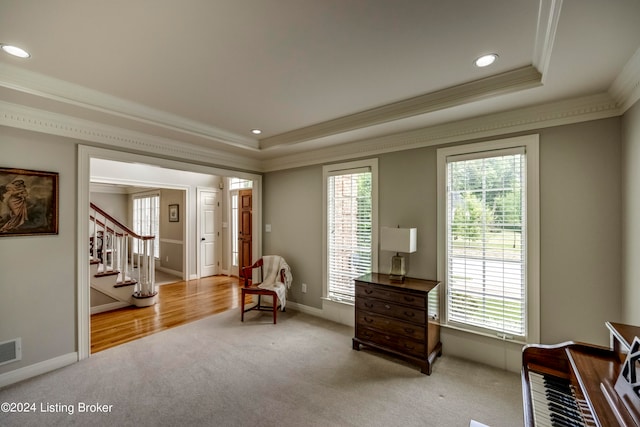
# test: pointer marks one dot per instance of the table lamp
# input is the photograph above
(398, 240)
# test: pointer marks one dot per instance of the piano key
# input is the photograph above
(554, 402)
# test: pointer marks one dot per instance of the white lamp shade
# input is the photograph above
(398, 239)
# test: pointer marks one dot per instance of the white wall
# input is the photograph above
(581, 202)
(580, 237)
(580, 232)
(631, 216)
(39, 284)
(38, 273)
(115, 204)
(293, 207)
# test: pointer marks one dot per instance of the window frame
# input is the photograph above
(532, 265)
(233, 220)
(345, 168)
(146, 195)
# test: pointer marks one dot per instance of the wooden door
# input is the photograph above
(209, 230)
(244, 228)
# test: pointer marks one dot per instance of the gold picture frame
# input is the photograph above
(28, 202)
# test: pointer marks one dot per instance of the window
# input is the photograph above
(146, 220)
(350, 226)
(236, 184)
(234, 229)
(488, 222)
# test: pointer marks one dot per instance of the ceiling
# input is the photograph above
(310, 74)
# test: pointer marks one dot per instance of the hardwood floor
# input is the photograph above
(178, 303)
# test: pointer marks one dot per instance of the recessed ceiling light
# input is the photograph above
(256, 131)
(15, 51)
(486, 60)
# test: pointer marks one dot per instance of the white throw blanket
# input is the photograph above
(272, 264)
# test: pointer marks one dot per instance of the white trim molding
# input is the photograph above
(622, 94)
(46, 87)
(559, 113)
(36, 369)
(108, 307)
(21, 117)
(531, 145)
(334, 311)
(625, 89)
(499, 84)
(85, 155)
(348, 167)
(548, 18)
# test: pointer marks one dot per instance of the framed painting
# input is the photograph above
(28, 202)
(174, 213)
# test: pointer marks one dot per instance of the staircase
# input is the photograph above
(122, 262)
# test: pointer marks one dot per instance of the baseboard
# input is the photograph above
(108, 307)
(335, 312)
(169, 271)
(36, 369)
(304, 309)
(339, 312)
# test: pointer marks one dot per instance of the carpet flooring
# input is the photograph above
(301, 372)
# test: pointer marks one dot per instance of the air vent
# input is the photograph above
(10, 351)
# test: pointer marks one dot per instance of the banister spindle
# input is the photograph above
(123, 247)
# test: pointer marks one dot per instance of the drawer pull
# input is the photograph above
(409, 314)
(368, 305)
(409, 299)
(409, 330)
(387, 306)
(367, 334)
(409, 347)
(387, 337)
(368, 291)
(366, 319)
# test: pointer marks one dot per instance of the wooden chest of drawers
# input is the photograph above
(400, 318)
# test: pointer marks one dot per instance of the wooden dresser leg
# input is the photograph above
(426, 368)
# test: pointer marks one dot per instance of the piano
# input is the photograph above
(577, 384)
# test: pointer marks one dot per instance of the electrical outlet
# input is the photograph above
(304, 288)
(166, 259)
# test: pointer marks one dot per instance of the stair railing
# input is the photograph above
(110, 241)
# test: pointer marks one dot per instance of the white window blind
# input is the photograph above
(349, 230)
(486, 241)
(146, 220)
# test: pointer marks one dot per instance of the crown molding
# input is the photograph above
(507, 82)
(524, 119)
(99, 187)
(564, 112)
(510, 81)
(27, 118)
(547, 26)
(625, 89)
(26, 81)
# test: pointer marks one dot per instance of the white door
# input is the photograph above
(209, 233)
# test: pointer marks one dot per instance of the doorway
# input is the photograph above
(245, 221)
(172, 173)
